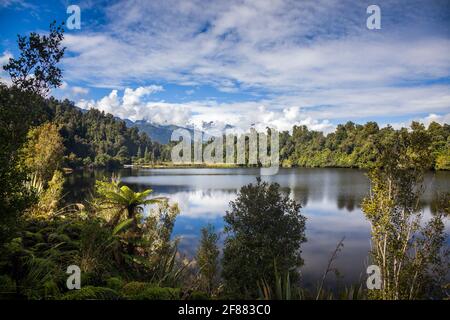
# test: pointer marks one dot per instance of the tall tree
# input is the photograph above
(139, 153)
(265, 230)
(43, 151)
(18, 111)
(36, 68)
(21, 106)
(208, 259)
(407, 250)
(147, 155)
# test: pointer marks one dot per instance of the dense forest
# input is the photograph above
(354, 145)
(349, 146)
(93, 138)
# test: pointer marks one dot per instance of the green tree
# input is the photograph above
(141, 246)
(265, 230)
(125, 206)
(139, 153)
(147, 157)
(48, 197)
(18, 111)
(97, 136)
(408, 252)
(208, 259)
(43, 151)
(35, 70)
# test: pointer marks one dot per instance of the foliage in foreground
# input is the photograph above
(264, 227)
(411, 253)
(208, 260)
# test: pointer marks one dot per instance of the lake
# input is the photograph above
(330, 200)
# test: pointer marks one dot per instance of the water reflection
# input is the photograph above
(330, 198)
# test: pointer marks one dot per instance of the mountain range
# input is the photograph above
(157, 132)
(162, 133)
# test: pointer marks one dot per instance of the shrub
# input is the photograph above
(115, 283)
(92, 293)
(146, 291)
(133, 288)
(264, 228)
(158, 293)
(7, 287)
(198, 295)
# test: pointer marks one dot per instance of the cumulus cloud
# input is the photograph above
(436, 118)
(4, 59)
(71, 92)
(80, 90)
(132, 105)
(281, 113)
(315, 61)
(207, 115)
(279, 45)
(432, 117)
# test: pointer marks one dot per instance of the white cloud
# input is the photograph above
(436, 118)
(4, 76)
(133, 105)
(17, 4)
(316, 69)
(67, 91)
(314, 57)
(5, 58)
(432, 117)
(80, 90)
(281, 113)
(278, 46)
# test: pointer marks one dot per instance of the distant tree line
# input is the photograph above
(93, 138)
(349, 146)
(354, 145)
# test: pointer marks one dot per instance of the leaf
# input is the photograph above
(124, 224)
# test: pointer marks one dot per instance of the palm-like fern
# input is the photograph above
(126, 205)
(124, 200)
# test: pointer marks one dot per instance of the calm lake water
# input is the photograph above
(330, 199)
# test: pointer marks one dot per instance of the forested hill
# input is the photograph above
(350, 145)
(354, 145)
(93, 138)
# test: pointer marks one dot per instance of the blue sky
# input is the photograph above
(261, 63)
